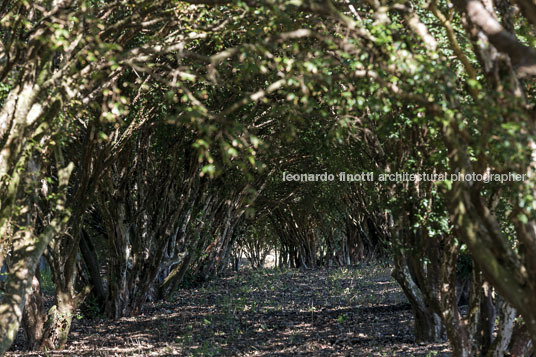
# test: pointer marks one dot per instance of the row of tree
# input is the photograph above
(141, 141)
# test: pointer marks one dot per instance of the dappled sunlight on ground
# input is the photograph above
(348, 312)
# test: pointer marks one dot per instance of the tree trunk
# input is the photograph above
(33, 318)
(507, 315)
(27, 250)
(487, 319)
(93, 267)
(119, 252)
(482, 312)
(521, 344)
(59, 320)
(428, 325)
(456, 328)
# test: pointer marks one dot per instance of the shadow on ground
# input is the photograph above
(347, 312)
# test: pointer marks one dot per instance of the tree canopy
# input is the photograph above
(149, 140)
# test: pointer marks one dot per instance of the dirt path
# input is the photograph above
(347, 312)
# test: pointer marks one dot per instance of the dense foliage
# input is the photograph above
(144, 143)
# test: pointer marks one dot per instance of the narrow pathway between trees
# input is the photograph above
(348, 312)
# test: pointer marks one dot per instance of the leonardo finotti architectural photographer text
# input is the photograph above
(404, 177)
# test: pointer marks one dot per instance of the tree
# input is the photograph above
(168, 123)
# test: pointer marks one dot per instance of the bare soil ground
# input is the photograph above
(339, 312)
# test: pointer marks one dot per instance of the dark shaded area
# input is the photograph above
(346, 312)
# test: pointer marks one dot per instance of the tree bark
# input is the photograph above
(93, 267)
(455, 325)
(59, 321)
(506, 323)
(428, 325)
(60, 316)
(27, 250)
(33, 318)
(521, 344)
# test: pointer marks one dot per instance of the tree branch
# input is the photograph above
(523, 57)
